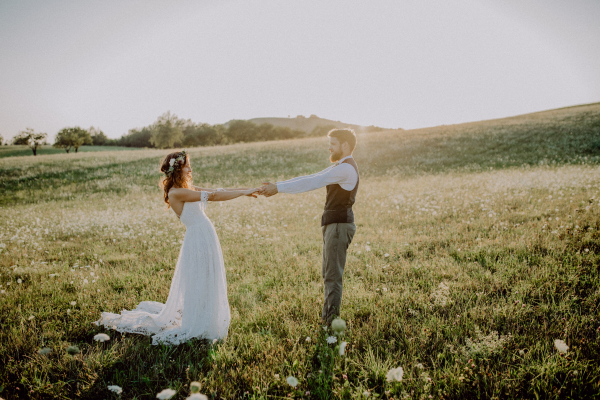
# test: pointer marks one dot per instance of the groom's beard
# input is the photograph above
(335, 156)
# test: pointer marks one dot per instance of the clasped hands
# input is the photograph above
(268, 189)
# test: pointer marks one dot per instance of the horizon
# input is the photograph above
(386, 64)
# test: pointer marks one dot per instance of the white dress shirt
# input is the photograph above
(341, 173)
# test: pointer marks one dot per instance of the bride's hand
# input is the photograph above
(251, 192)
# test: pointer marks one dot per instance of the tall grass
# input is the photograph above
(462, 275)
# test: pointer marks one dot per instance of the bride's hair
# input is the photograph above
(173, 173)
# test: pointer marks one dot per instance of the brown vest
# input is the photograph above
(338, 204)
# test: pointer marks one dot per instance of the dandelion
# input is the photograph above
(367, 248)
(293, 382)
(19, 280)
(343, 348)
(44, 351)
(395, 374)
(338, 326)
(197, 396)
(73, 303)
(72, 350)
(115, 389)
(101, 337)
(331, 339)
(561, 346)
(419, 365)
(366, 393)
(276, 376)
(308, 338)
(195, 387)
(166, 394)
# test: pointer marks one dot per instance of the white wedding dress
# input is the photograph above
(197, 306)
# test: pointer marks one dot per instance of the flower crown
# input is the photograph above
(176, 162)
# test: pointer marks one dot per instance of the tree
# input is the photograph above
(69, 138)
(98, 137)
(1, 140)
(30, 138)
(321, 130)
(167, 131)
(136, 138)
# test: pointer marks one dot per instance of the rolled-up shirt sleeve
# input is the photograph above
(343, 174)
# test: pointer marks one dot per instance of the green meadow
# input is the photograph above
(478, 246)
(22, 150)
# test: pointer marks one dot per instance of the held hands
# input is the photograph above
(252, 192)
(268, 189)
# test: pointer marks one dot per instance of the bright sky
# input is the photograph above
(118, 64)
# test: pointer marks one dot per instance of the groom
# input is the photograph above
(337, 221)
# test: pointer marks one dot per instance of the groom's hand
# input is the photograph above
(269, 189)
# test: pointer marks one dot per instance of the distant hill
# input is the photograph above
(308, 124)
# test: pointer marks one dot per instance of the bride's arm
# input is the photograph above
(187, 195)
(199, 189)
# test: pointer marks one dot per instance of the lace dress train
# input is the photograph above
(197, 306)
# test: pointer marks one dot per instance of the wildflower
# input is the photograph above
(420, 366)
(214, 341)
(276, 376)
(115, 389)
(68, 311)
(195, 387)
(338, 326)
(101, 337)
(307, 393)
(331, 339)
(197, 396)
(561, 346)
(342, 348)
(45, 351)
(366, 393)
(367, 248)
(293, 382)
(19, 280)
(395, 374)
(31, 317)
(72, 350)
(386, 255)
(166, 394)
(308, 338)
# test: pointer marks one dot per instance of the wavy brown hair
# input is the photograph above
(176, 178)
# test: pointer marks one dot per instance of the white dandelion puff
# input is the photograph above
(101, 337)
(395, 374)
(166, 394)
(561, 346)
(115, 389)
(343, 348)
(293, 382)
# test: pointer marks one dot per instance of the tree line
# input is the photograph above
(169, 131)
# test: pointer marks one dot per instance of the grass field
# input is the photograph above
(477, 247)
(19, 151)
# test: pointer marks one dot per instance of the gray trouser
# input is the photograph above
(336, 239)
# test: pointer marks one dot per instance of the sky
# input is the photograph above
(119, 64)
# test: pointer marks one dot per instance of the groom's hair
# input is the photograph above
(344, 135)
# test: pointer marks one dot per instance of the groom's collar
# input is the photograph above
(341, 160)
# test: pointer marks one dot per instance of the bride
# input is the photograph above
(197, 305)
